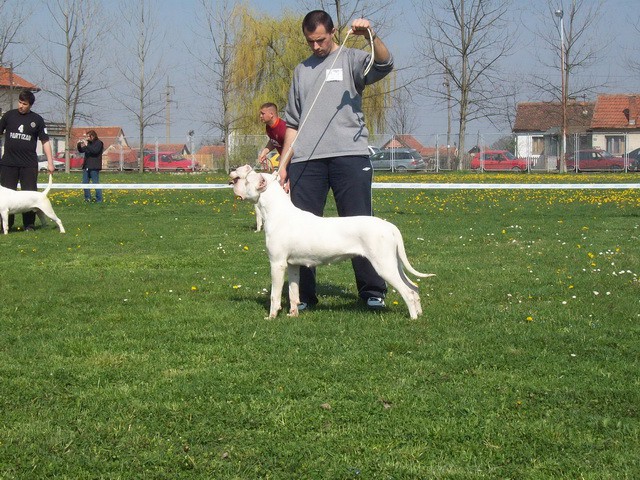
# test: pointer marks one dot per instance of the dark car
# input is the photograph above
(397, 159)
(594, 160)
(634, 160)
(498, 160)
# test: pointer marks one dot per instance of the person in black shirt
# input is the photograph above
(92, 147)
(22, 129)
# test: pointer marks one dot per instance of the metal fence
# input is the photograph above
(389, 152)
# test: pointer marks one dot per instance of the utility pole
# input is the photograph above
(447, 85)
(169, 90)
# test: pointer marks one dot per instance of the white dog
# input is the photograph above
(259, 220)
(20, 201)
(295, 237)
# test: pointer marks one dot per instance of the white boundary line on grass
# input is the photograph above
(413, 186)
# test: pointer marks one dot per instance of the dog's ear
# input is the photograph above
(262, 184)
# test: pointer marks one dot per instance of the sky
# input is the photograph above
(179, 19)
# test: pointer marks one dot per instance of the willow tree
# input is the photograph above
(263, 63)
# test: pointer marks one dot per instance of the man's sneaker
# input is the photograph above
(29, 228)
(375, 303)
(302, 306)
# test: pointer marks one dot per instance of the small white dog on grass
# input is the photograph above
(20, 201)
(295, 237)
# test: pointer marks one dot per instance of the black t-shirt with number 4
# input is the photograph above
(21, 135)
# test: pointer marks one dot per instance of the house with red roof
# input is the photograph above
(180, 148)
(10, 86)
(610, 123)
(538, 127)
(615, 126)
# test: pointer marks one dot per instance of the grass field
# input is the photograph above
(135, 345)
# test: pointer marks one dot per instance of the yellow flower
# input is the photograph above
(529, 318)
(194, 288)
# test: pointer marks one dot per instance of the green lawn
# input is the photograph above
(136, 345)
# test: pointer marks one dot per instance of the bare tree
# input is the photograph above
(401, 118)
(76, 78)
(141, 69)
(217, 25)
(13, 16)
(583, 43)
(465, 40)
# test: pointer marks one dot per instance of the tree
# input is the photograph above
(578, 28)
(216, 26)
(264, 60)
(464, 41)
(13, 16)
(142, 70)
(76, 78)
(401, 118)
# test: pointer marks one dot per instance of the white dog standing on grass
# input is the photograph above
(317, 240)
(20, 201)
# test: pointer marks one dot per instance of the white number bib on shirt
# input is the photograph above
(334, 75)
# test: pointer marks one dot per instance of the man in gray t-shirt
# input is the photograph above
(325, 103)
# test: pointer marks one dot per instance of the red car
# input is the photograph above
(594, 160)
(75, 159)
(498, 160)
(170, 161)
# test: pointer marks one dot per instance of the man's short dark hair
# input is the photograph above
(315, 18)
(269, 105)
(27, 96)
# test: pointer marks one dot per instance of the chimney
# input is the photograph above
(632, 111)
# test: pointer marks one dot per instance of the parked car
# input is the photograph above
(170, 161)
(498, 160)
(43, 165)
(398, 159)
(75, 159)
(373, 150)
(634, 160)
(594, 160)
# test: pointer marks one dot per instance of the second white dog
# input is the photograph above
(20, 201)
(295, 237)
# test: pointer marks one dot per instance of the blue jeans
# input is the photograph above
(94, 176)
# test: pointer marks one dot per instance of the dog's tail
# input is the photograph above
(402, 255)
(46, 190)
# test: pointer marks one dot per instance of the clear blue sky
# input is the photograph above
(179, 19)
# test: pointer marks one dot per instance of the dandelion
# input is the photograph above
(194, 288)
(245, 248)
(236, 287)
(529, 318)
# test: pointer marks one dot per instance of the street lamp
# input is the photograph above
(563, 66)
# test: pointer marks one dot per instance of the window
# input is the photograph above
(615, 144)
(537, 145)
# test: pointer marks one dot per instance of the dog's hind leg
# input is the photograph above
(389, 270)
(294, 289)
(47, 211)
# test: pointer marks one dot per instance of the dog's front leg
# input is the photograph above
(277, 282)
(5, 222)
(294, 289)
